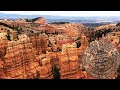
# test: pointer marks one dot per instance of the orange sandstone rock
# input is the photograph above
(46, 69)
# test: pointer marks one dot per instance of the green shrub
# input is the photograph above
(56, 73)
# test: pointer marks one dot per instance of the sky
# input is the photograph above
(65, 13)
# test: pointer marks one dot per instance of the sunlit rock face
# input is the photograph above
(4, 29)
(84, 41)
(3, 44)
(46, 69)
(114, 38)
(71, 29)
(68, 30)
(70, 60)
(39, 42)
(2, 75)
(84, 45)
(54, 57)
(101, 59)
(20, 62)
(106, 26)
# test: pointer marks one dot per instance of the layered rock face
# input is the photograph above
(106, 26)
(54, 57)
(69, 65)
(45, 66)
(46, 69)
(72, 29)
(4, 29)
(70, 60)
(80, 53)
(48, 29)
(3, 44)
(21, 26)
(84, 45)
(39, 42)
(20, 62)
(61, 42)
(114, 38)
(2, 75)
(69, 30)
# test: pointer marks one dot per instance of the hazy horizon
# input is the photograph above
(65, 13)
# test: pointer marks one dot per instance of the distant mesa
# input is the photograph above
(40, 20)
